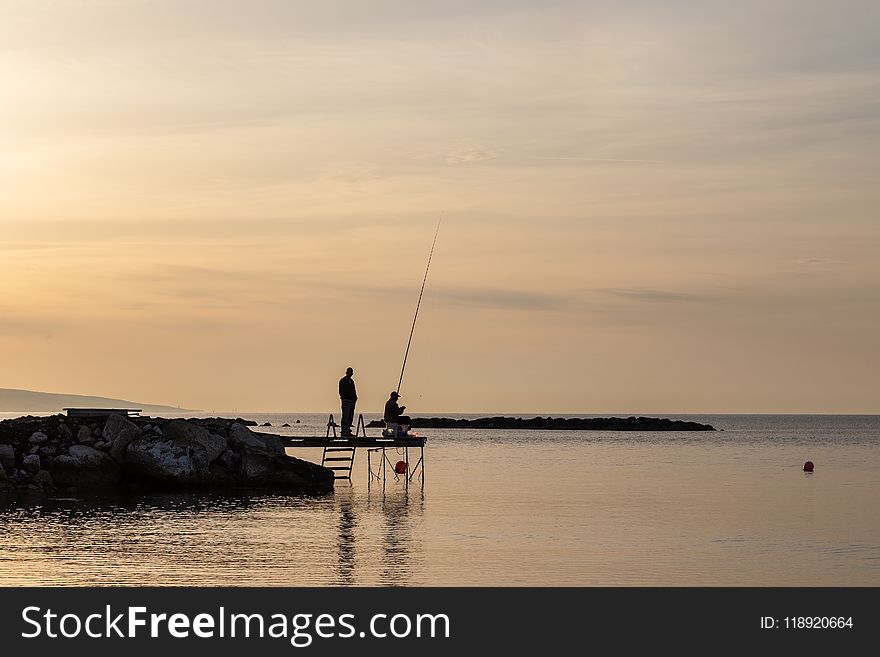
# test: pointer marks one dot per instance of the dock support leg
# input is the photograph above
(419, 468)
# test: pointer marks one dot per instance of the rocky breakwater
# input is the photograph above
(572, 423)
(58, 453)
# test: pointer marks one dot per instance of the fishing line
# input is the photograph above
(413, 329)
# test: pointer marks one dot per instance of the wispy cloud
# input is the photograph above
(820, 262)
(500, 298)
(602, 159)
(467, 154)
(28, 326)
(653, 296)
(483, 297)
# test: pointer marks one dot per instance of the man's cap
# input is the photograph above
(394, 393)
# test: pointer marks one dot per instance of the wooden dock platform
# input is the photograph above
(360, 441)
(339, 453)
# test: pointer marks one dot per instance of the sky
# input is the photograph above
(646, 207)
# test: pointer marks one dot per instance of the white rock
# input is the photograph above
(84, 467)
(85, 454)
(159, 459)
(187, 432)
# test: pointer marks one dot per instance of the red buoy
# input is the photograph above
(808, 466)
(400, 467)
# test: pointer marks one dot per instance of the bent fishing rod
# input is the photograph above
(418, 305)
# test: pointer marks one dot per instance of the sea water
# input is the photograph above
(499, 507)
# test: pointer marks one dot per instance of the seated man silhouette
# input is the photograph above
(394, 413)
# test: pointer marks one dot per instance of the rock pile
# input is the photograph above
(553, 423)
(59, 453)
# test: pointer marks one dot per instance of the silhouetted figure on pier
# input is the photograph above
(393, 412)
(348, 396)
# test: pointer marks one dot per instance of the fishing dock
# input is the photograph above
(339, 453)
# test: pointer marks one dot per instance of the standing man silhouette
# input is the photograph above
(348, 395)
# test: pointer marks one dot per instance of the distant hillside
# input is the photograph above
(28, 401)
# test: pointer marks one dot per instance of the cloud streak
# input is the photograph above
(653, 296)
(486, 298)
(821, 263)
(470, 154)
(602, 159)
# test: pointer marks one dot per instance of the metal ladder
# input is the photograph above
(341, 459)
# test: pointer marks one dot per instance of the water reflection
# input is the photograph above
(397, 541)
(347, 536)
(129, 506)
(351, 537)
(368, 550)
(619, 512)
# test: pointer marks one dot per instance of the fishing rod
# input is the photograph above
(413, 329)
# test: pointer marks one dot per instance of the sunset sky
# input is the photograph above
(647, 206)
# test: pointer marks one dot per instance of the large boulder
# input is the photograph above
(263, 470)
(38, 438)
(240, 437)
(31, 463)
(7, 457)
(119, 432)
(64, 432)
(84, 436)
(85, 467)
(161, 460)
(272, 443)
(229, 460)
(221, 477)
(186, 432)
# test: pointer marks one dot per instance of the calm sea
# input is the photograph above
(501, 508)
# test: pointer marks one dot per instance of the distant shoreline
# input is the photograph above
(13, 400)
